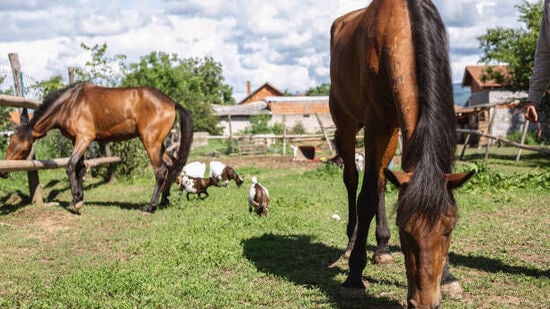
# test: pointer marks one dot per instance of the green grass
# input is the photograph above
(214, 254)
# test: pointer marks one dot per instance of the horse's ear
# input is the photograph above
(24, 117)
(457, 180)
(398, 178)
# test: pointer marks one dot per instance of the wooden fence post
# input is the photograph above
(466, 142)
(284, 135)
(523, 134)
(325, 134)
(71, 75)
(35, 191)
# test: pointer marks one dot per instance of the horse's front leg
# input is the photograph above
(450, 286)
(366, 210)
(382, 255)
(345, 145)
(75, 172)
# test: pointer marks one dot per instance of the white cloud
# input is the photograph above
(285, 42)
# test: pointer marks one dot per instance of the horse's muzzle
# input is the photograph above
(4, 175)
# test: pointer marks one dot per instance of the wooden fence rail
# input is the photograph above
(21, 102)
(34, 165)
(504, 141)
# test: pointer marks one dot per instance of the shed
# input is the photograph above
(235, 118)
(491, 107)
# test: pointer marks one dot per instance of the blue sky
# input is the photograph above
(285, 42)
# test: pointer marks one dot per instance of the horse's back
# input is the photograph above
(122, 113)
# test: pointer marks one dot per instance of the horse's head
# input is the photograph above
(425, 240)
(20, 145)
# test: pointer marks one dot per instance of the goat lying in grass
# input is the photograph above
(225, 173)
(195, 185)
(258, 198)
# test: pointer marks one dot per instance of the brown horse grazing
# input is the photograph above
(84, 113)
(389, 72)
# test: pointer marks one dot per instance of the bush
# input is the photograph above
(530, 138)
(298, 128)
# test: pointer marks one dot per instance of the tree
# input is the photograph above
(514, 47)
(48, 85)
(194, 83)
(321, 90)
(101, 69)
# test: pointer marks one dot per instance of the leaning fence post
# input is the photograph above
(466, 142)
(523, 134)
(32, 176)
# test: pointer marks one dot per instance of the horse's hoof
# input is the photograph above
(75, 208)
(145, 213)
(346, 254)
(341, 261)
(383, 259)
(452, 290)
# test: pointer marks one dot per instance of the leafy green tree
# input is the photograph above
(48, 85)
(195, 83)
(514, 47)
(321, 90)
(101, 69)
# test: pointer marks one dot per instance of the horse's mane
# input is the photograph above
(433, 143)
(52, 99)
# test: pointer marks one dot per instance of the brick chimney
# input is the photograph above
(247, 88)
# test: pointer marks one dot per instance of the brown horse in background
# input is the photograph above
(389, 72)
(84, 113)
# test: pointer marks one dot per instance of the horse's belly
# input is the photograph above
(117, 132)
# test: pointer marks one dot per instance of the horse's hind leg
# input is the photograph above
(160, 176)
(161, 171)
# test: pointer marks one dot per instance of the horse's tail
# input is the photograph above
(186, 137)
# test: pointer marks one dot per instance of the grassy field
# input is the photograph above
(214, 254)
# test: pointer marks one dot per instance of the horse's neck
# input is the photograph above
(41, 127)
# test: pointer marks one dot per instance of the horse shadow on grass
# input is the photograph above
(491, 265)
(14, 201)
(304, 262)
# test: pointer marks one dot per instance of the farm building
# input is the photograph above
(491, 108)
(265, 90)
(288, 110)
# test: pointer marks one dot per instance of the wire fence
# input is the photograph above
(28, 83)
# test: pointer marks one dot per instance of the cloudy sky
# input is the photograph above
(285, 42)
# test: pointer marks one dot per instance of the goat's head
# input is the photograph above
(215, 181)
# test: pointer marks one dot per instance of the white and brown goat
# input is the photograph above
(196, 185)
(258, 198)
(224, 172)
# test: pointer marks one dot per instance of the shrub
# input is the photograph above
(530, 138)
